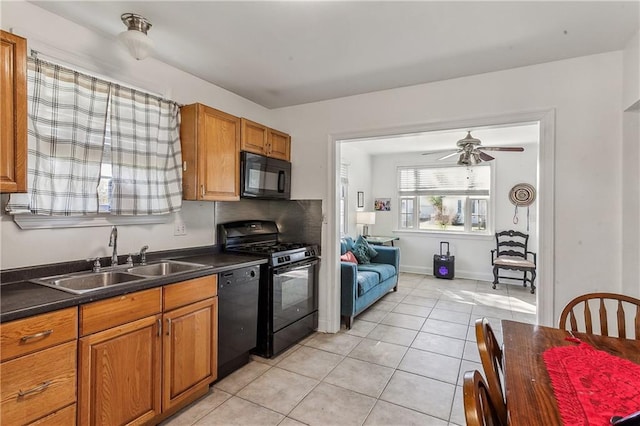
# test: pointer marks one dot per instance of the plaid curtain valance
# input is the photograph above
(67, 121)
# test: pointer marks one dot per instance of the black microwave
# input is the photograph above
(265, 177)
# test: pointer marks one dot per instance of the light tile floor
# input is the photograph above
(401, 363)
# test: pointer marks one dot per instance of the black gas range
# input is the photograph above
(288, 300)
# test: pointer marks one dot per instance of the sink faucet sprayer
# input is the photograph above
(113, 242)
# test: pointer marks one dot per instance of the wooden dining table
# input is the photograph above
(529, 394)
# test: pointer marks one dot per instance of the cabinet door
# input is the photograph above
(254, 137)
(190, 350)
(279, 145)
(13, 113)
(218, 156)
(120, 374)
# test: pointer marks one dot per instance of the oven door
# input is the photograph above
(295, 292)
(264, 177)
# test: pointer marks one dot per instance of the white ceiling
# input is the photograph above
(287, 53)
(445, 140)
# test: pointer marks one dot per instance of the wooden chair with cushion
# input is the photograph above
(478, 408)
(623, 310)
(491, 357)
(512, 253)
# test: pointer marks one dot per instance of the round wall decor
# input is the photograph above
(522, 194)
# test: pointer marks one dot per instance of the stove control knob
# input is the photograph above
(252, 273)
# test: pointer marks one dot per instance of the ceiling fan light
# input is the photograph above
(464, 159)
(135, 38)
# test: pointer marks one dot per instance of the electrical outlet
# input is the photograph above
(180, 229)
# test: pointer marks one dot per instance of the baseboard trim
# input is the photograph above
(468, 275)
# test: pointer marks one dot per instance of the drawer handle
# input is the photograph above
(41, 387)
(35, 336)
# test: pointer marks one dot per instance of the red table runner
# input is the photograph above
(591, 385)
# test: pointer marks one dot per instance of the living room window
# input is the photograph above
(344, 196)
(452, 199)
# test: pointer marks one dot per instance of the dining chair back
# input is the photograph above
(618, 308)
(491, 358)
(478, 408)
(512, 254)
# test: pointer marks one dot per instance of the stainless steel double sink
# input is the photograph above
(83, 282)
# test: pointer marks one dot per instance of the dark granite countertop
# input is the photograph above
(21, 298)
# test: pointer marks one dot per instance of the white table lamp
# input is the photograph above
(365, 219)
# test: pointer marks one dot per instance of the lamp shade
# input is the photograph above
(366, 218)
(138, 43)
(135, 38)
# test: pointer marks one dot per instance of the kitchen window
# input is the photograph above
(452, 199)
(98, 147)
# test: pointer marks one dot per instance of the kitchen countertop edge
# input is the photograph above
(216, 263)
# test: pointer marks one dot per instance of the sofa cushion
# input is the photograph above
(348, 257)
(383, 270)
(366, 281)
(363, 251)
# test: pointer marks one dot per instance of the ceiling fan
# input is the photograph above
(471, 152)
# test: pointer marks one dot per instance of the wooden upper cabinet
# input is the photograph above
(279, 145)
(254, 137)
(210, 153)
(13, 113)
(260, 139)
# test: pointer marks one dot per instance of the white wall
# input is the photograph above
(359, 163)
(472, 252)
(585, 94)
(630, 170)
(631, 72)
(77, 45)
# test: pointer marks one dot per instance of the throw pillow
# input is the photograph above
(348, 257)
(363, 251)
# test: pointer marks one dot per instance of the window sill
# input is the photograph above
(449, 234)
(51, 222)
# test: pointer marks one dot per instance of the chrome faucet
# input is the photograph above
(113, 242)
(143, 255)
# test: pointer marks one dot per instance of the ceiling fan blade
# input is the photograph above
(484, 156)
(449, 155)
(502, 148)
(437, 151)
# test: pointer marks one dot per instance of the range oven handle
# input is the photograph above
(301, 265)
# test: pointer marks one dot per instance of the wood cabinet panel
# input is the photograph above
(108, 313)
(34, 385)
(211, 151)
(65, 416)
(181, 294)
(279, 145)
(190, 350)
(13, 113)
(120, 374)
(253, 137)
(260, 139)
(32, 334)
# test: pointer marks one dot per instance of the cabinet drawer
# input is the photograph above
(186, 292)
(32, 334)
(37, 384)
(98, 316)
(65, 416)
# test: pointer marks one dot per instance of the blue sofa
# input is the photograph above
(363, 284)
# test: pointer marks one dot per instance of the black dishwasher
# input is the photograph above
(237, 317)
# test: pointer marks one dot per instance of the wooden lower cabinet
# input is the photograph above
(34, 385)
(142, 370)
(120, 374)
(190, 351)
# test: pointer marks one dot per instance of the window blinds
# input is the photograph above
(444, 180)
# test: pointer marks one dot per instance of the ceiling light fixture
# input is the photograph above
(135, 38)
